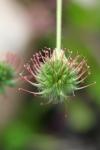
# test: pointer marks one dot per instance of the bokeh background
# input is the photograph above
(27, 26)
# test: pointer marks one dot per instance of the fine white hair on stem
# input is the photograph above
(58, 24)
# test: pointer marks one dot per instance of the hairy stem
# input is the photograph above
(59, 24)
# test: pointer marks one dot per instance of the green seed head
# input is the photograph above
(6, 72)
(56, 79)
(6, 75)
(9, 64)
(55, 75)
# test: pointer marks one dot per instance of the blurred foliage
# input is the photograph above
(19, 136)
(81, 116)
(16, 135)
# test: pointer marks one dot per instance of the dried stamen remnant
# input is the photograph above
(54, 75)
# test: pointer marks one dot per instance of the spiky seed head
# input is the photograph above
(8, 66)
(54, 75)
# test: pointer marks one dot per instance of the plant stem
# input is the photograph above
(59, 24)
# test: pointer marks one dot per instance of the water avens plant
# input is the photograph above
(55, 75)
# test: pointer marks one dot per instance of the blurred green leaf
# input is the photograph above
(44, 142)
(83, 17)
(81, 117)
(16, 135)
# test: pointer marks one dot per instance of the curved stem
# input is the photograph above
(59, 24)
